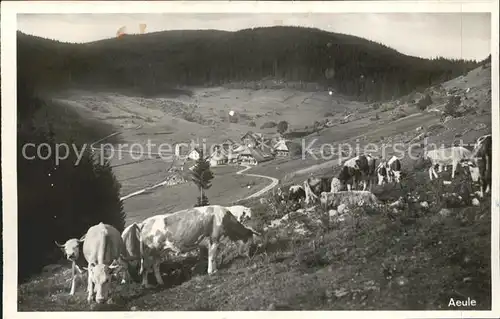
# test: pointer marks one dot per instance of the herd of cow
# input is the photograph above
(142, 246)
(363, 169)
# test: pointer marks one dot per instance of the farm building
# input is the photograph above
(251, 139)
(228, 144)
(217, 159)
(281, 149)
(194, 154)
(252, 156)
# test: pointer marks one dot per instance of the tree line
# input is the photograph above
(154, 62)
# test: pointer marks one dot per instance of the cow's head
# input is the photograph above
(100, 275)
(71, 248)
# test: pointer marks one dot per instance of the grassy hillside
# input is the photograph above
(159, 62)
(67, 123)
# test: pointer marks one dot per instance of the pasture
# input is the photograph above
(410, 259)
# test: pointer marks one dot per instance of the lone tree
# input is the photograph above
(202, 176)
(282, 127)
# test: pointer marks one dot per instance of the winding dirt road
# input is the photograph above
(274, 182)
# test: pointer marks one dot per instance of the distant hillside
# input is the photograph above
(154, 62)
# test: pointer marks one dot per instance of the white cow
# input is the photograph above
(103, 248)
(447, 156)
(183, 231)
(71, 249)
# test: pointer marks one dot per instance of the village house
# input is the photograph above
(252, 139)
(281, 149)
(259, 142)
(228, 144)
(251, 156)
(218, 159)
(194, 154)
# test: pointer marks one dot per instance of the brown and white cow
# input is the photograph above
(71, 249)
(132, 241)
(183, 231)
(389, 171)
(482, 160)
(103, 248)
(359, 168)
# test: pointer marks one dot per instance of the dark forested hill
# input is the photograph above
(155, 61)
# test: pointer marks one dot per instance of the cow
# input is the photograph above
(131, 240)
(183, 231)
(71, 249)
(382, 173)
(480, 165)
(359, 168)
(447, 156)
(395, 169)
(389, 171)
(103, 249)
(296, 193)
(242, 213)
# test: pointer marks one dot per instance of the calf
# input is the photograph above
(132, 242)
(447, 156)
(71, 249)
(183, 231)
(103, 248)
(359, 168)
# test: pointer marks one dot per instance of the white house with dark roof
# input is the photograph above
(281, 149)
(194, 154)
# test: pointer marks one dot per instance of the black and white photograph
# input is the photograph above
(251, 157)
